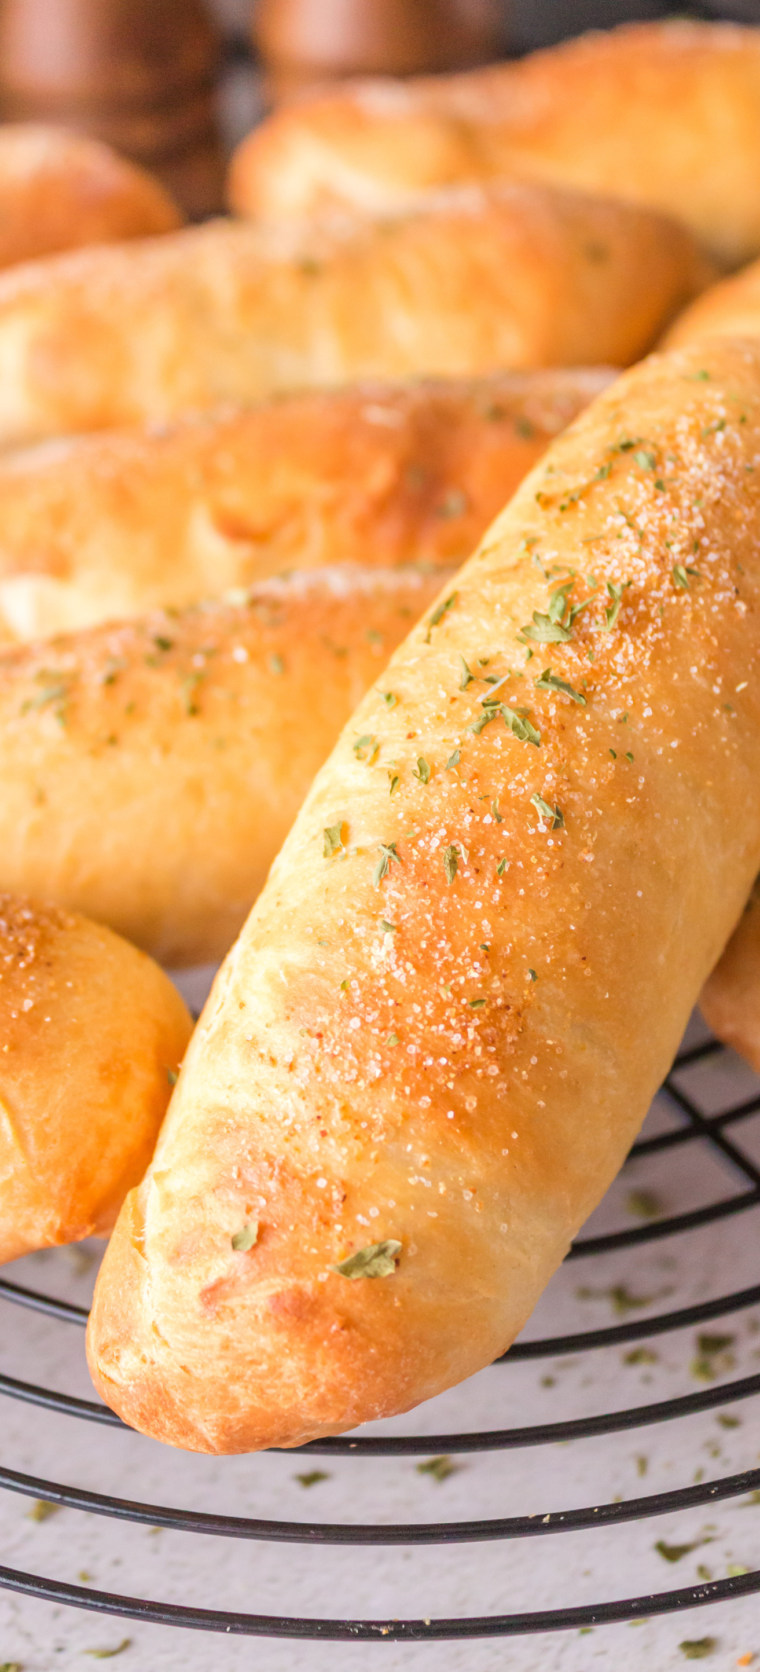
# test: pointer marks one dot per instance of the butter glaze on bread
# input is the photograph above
(150, 770)
(444, 1020)
(113, 525)
(665, 114)
(60, 190)
(518, 276)
(90, 1033)
(730, 308)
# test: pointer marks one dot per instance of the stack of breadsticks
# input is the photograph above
(473, 958)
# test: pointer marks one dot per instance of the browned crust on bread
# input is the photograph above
(90, 1033)
(60, 190)
(151, 769)
(448, 1013)
(665, 114)
(730, 308)
(376, 475)
(516, 276)
(730, 998)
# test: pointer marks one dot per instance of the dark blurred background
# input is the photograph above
(532, 23)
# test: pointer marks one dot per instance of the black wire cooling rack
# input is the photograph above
(694, 1127)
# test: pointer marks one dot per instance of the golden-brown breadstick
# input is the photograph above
(665, 114)
(99, 527)
(430, 1049)
(730, 998)
(150, 770)
(516, 276)
(730, 308)
(91, 1037)
(60, 190)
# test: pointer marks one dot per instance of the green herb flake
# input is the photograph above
(451, 862)
(698, 1648)
(543, 630)
(378, 1259)
(476, 1004)
(439, 612)
(387, 856)
(613, 753)
(394, 782)
(549, 681)
(42, 1510)
(467, 677)
(439, 1468)
(553, 815)
(163, 644)
(392, 1040)
(422, 772)
(502, 866)
(644, 1204)
(332, 840)
(110, 1654)
(640, 1355)
(366, 748)
(680, 573)
(612, 611)
(645, 459)
(389, 698)
(629, 757)
(388, 928)
(516, 720)
(172, 1076)
(313, 1477)
(675, 1552)
(532, 975)
(453, 760)
(495, 814)
(276, 665)
(246, 1238)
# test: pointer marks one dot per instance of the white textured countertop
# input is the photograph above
(456, 1580)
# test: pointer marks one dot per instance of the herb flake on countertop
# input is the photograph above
(439, 1468)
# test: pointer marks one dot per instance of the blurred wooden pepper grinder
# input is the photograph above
(306, 43)
(137, 73)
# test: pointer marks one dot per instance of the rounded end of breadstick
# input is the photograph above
(92, 1037)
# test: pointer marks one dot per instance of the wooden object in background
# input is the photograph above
(304, 43)
(139, 74)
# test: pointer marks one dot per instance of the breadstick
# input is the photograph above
(730, 308)
(730, 998)
(149, 771)
(60, 190)
(431, 1047)
(665, 114)
(113, 525)
(92, 1037)
(518, 276)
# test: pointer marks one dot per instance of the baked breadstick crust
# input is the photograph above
(113, 525)
(730, 998)
(730, 308)
(515, 277)
(150, 770)
(448, 1012)
(663, 114)
(93, 1034)
(60, 190)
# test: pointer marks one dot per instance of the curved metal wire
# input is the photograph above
(695, 1126)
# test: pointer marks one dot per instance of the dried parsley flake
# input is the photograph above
(378, 1259)
(451, 862)
(246, 1238)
